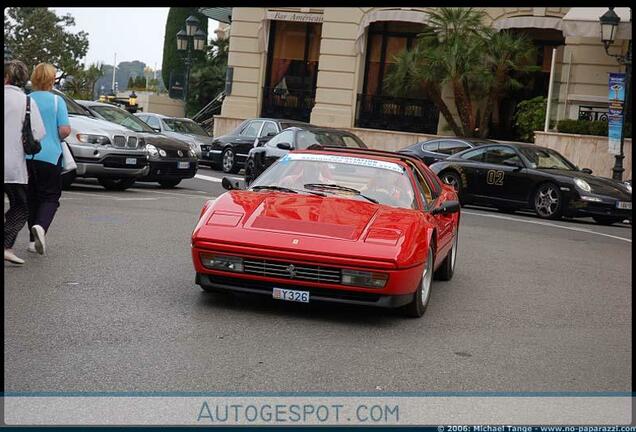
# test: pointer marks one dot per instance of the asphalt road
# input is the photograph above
(533, 306)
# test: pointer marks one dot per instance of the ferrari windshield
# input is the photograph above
(371, 180)
(545, 158)
(184, 126)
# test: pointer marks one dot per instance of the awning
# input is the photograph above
(222, 14)
(584, 22)
(528, 22)
(388, 15)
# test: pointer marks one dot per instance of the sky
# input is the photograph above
(132, 33)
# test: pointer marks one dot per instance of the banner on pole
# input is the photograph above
(615, 112)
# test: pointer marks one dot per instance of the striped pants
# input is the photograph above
(18, 213)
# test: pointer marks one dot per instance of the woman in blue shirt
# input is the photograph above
(45, 168)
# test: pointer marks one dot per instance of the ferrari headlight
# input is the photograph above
(364, 278)
(93, 139)
(152, 150)
(583, 185)
(222, 262)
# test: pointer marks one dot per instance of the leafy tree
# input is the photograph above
(457, 50)
(207, 78)
(529, 117)
(140, 82)
(173, 60)
(131, 83)
(81, 85)
(37, 34)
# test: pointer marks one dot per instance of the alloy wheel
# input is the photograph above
(546, 201)
(450, 179)
(228, 160)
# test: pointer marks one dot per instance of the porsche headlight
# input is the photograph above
(363, 278)
(222, 262)
(93, 139)
(152, 150)
(583, 185)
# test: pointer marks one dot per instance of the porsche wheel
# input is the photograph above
(548, 202)
(452, 178)
(250, 171)
(607, 220)
(228, 162)
(116, 184)
(422, 295)
(447, 269)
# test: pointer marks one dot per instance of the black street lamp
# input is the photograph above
(198, 38)
(609, 27)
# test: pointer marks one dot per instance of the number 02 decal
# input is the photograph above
(495, 177)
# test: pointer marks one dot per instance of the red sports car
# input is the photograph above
(347, 225)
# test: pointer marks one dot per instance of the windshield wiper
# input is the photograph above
(284, 189)
(330, 187)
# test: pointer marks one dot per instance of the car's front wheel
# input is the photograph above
(452, 178)
(116, 184)
(607, 220)
(250, 171)
(548, 201)
(422, 295)
(228, 162)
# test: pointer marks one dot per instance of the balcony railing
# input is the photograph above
(591, 113)
(288, 104)
(394, 113)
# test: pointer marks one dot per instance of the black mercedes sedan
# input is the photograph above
(516, 176)
(171, 160)
(438, 149)
(229, 152)
(294, 138)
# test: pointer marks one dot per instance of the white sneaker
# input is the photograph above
(31, 247)
(40, 240)
(12, 258)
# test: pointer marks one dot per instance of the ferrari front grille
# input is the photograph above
(292, 271)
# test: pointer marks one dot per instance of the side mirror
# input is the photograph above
(156, 129)
(586, 171)
(228, 184)
(447, 207)
(284, 146)
(270, 134)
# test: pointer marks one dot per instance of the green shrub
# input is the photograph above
(583, 127)
(529, 117)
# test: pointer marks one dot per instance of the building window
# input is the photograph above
(374, 109)
(292, 70)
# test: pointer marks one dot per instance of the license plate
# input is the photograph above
(291, 295)
(183, 165)
(131, 161)
(626, 205)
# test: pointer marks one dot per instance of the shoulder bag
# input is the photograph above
(31, 145)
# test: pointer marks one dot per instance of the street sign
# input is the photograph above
(175, 90)
(615, 113)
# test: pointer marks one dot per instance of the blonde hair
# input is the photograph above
(43, 77)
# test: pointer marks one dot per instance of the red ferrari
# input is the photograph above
(345, 225)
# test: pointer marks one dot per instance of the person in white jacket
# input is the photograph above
(15, 168)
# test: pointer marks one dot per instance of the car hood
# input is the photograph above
(197, 139)
(600, 185)
(164, 142)
(84, 124)
(329, 226)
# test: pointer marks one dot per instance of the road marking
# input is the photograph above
(548, 224)
(207, 178)
(176, 194)
(112, 197)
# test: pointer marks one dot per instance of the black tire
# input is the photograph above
(250, 171)
(446, 270)
(169, 183)
(547, 201)
(607, 220)
(453, 179)
(67, 179)
(228, 162)
(116, 184)
(418, 306)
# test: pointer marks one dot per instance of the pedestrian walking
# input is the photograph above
(15, 169)
(45, 167)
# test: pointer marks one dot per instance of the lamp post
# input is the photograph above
(193, 38)
(609, 27)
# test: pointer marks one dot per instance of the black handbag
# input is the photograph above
(30, 144)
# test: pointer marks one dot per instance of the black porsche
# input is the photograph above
(516, 176)
(262, 156)
(438, 149)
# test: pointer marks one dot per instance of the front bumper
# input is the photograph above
(169, 168)
(221, 283)
(113, 165)
(601, 205)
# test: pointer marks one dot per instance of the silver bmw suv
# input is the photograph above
(113, 154)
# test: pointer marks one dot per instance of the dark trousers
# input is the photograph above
(45, 189)
(16, 216)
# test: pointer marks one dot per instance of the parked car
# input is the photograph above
(171, 160)
(179, 128)
(438, 149)
(346, 225)
(516, 176)
(229, 152)
(261, 157)
(113, 154)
